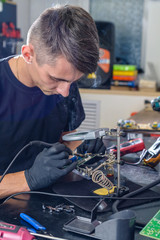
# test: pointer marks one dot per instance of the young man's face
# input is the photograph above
(55, 79)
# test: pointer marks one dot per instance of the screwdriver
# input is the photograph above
(10, 231)
(43, 236)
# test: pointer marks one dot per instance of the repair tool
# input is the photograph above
(119, 226)
(100, 133)
(131, 146)
(151, 157)
(84, 225)
(99, 177)
(9, 232)
(89, 135)
(38, 230)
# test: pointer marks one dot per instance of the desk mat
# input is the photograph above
(86, 187)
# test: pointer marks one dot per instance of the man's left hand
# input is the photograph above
(92, 146)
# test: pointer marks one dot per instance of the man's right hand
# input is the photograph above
(49, 166)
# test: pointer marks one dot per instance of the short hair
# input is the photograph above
(69, 31)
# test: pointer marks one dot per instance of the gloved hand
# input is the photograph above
(49, 166)
(92, 146)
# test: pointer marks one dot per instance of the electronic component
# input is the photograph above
(98, 176)
(152, 228)
(99, 133)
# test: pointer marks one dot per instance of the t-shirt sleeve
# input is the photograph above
(76, 113)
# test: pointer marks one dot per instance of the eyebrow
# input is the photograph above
(63, 80)
(59, 79)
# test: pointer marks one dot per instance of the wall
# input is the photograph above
(37, 6)
(23, 19)
(151, 51)
(126, 15)
(29, 10)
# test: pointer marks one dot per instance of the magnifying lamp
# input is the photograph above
(87, 135)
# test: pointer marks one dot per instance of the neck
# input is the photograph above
(21, 70)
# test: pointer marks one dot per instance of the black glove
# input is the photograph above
(92, 146)
(49, 166)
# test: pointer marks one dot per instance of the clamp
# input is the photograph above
(99, 133)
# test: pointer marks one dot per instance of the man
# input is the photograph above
(40, 100)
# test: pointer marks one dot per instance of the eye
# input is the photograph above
(53, 79)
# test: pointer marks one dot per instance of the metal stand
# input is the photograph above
(99, 133)
(118, 159)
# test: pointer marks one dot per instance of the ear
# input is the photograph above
(27, 53)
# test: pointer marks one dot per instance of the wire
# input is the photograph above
(132, 163)
(140, 190)
(116, 203)
(27, 145)
(135, 163)
(78, 196)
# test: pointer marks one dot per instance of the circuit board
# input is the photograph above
(152, 229)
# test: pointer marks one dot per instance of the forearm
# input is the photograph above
(13, 183)
(73, 144)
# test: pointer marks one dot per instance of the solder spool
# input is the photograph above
(99, 178)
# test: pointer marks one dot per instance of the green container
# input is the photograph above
(120, 67)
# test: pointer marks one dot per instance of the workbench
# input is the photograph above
(146, 116)
(32, 204)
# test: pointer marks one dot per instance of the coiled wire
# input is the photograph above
(99, 178)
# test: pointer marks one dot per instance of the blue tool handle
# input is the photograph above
(32, 222)
(74, 158)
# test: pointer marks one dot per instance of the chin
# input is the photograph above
(48, 93)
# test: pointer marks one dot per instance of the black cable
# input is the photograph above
(138, 224)
(76, 196)
(142, 189)
(131, 163)
(27, 145)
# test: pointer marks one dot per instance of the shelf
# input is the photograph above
(10, 2)
(118, 92)
(9, 38)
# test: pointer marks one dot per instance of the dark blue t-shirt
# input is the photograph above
(26, 114)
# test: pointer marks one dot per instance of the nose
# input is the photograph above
(63, 88)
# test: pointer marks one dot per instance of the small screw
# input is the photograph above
(43, 207)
